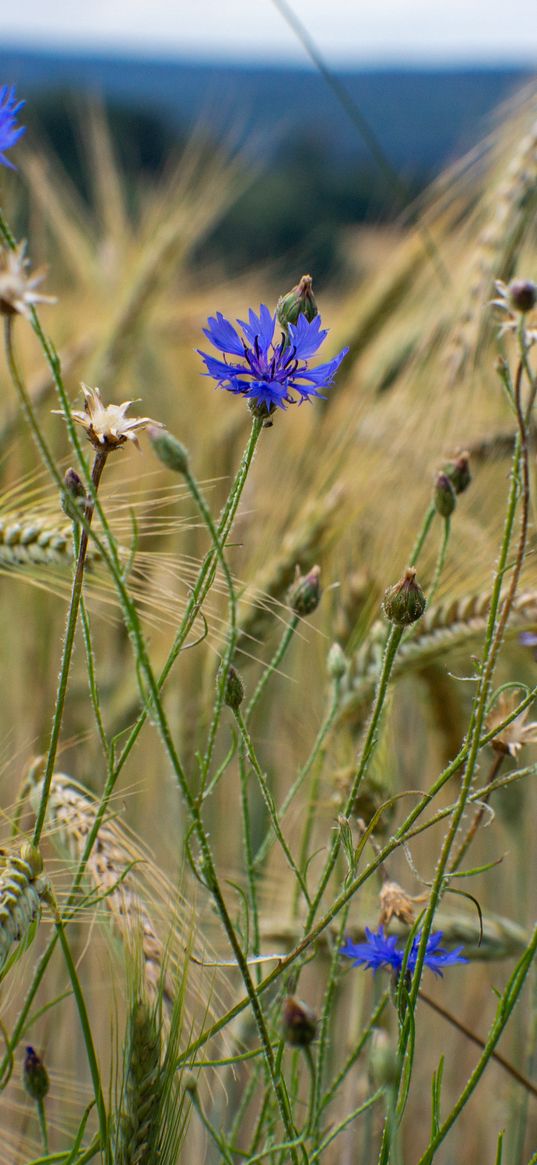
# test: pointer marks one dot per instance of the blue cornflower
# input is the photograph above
(266, 372)
(382, 951)
(10, 132)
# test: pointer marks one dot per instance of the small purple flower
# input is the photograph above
(266, 372)
(10, 132)
(382, 951)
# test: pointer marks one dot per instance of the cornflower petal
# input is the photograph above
(323, 375)
(260, 327)
(267, 373)
(306, 337)
(10, 132)
(223, 335)
(381, 951)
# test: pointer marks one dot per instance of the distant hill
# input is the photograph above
(315, 178)
(422, 118)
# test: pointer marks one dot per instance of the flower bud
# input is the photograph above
(522, 295)
(299, 301)
(404, 602)
(75, 495)
(458, 472)
(336, 663)
(34, 1075)
(383, 1060)
(233, 688)
(444, 496)
(299, 1023)
(169, 450)
(305, 593)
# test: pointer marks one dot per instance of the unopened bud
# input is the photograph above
(233, 688)
(299, 1023)
(305, 593)
(522, 295)
(459, 473)
(34, 1075)
(336, 663)
(299, 301)
(168, 449)
(444, 496)
(75, 495)
(404, 602)
(383, 1060)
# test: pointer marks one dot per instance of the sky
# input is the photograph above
(347, 31)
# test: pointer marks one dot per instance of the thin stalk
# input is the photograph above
(87, 1036)
(423, 535)
(478, 816)
(440, 562)
(42, 1118)
(304, 772)
(68, 643)
(392, 644)
(248, 853)
(475, 1039)
(505, 1007)
(274, 664)
(268, 799)
(494, 636)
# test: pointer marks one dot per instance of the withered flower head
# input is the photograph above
(511, 739)
(18, 290)
(395, 903)
(515, 299)
(107, 426)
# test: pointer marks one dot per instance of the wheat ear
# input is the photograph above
(445, 627)
(138, 1121)
(71, 817)
(22, 890)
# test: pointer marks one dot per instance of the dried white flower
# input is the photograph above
(18, 290)
(511, 740)
(107, 426)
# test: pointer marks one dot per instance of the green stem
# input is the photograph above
(505, 1007)
(440, 561)
(68, 643)
(272, 666)
(304, 771)
(42, 1118)
(423, 534)
(392, 644)
(86, 1032)
(268, 799)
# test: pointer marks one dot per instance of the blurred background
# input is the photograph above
(420, 82)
